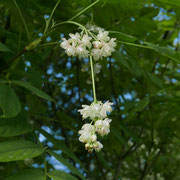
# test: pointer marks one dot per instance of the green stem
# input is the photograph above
(93, 81)
(49, 44)
(61, 23)
(49, 20)
(84, 10)
(132, 44)
(22, 18)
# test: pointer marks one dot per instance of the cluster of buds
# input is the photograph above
(100, 124)
(97, 45)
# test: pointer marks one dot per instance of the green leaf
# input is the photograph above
(157, 81)
(62, 146)
(4, 47)
(66, 163)
(33, 89)
(141, 105)
(166, 51)
(120, 59)
(28, 174)
(18, 150)
(172, 2)
(9, 102)
(40, 108)
(14, 126)
(2, 81)
(60, 175)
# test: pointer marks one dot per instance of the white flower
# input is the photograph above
(85, 111)
(102, 126)
(75, 37)
(106, 50)
(107, 106)
(96, 110)
(98, 147)
(97, 44)
(88, 127)
(65, 44)
(87, 134)
(97, 54)
(82, 52)
(86, 41)
(71, 51)
(112, 43)
(103, 36)
(102, 49)
(97, 68)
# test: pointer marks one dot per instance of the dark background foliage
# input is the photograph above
(41, 90)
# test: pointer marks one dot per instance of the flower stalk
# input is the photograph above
(93, 81)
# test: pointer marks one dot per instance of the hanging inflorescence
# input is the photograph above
(83, 45)
(94, 43)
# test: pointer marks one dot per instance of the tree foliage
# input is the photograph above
(41, 90)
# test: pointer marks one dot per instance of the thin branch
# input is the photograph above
(85, 9)
(49, 20)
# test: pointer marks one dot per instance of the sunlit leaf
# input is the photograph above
(18, 150)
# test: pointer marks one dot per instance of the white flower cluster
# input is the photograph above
(103, 46)
(77, 45)
(83, 45)
(100, 124)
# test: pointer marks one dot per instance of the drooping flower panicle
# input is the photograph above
(100, 124)
(96, 44)
(83, 45)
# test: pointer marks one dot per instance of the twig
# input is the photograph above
(83, 10)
